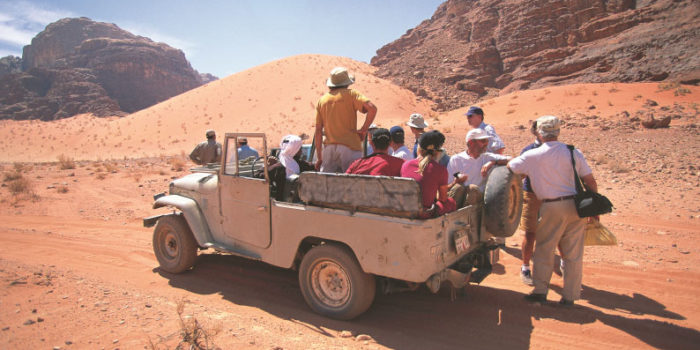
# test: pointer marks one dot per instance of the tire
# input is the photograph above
(503, 202)
(174, 244)
(333, 283)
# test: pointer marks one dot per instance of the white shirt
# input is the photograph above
(404, 153)
(549, 168)
(495, 143)
(464, 163)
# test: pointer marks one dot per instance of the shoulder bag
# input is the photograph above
(588, 203)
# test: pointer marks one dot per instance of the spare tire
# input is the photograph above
(503, 202)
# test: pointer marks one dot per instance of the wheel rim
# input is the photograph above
(170, 246)
(330, 283)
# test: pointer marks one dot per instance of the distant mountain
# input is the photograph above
(470, 48)
(77, 66)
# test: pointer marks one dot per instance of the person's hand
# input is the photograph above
(362, 133)
(461, 178)
(594, 218)
(485, 169)
(317, 166)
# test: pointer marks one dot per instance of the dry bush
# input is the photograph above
(62, 189)
(66, 162)
(177, 164)
(110, 167)
(101, 176)
(193, 335)
(12, 176)
(679, 90)
(20, 185)
(619, 167)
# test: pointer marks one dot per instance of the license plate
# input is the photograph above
(461, 242)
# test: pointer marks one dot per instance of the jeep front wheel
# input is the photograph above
(333, 283)
(174, 244)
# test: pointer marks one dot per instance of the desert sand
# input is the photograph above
(78, 270)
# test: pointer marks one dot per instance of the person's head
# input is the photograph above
(340, 78)
(548, 127)
(429, 148)
(477, 142)
(242, 141)
(533, 130)
(380, 140)
(290, 145)
(475, 116)
(397, 135)
(417, 124)
(211, 134)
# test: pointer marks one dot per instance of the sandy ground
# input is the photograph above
(77, 269)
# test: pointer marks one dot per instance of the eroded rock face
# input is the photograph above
(471, 48)
(77, 65)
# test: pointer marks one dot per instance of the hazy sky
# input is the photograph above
(224, 37)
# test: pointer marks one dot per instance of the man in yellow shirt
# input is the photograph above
(336, 118)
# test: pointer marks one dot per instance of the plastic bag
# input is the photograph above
(597, 234)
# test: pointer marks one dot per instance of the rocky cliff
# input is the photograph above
(77, 65)
(472, 48)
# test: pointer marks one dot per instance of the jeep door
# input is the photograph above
(244, 190)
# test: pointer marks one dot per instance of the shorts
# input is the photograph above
(531, 209)
(337, 158)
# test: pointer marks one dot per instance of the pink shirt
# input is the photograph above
(433, 177)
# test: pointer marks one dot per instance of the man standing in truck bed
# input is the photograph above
(336, 118)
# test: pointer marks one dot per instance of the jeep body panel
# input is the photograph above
(194, 217)
(399, 248)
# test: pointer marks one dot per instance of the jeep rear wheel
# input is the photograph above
(333, 283)
(174, 244)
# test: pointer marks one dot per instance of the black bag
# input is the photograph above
(588, 203)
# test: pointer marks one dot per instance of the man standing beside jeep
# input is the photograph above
(336, 118)
(551, 174)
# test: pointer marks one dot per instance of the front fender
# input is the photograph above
(194, 217)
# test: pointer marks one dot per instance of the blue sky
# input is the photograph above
(224, 37)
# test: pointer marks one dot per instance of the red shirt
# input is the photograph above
(434, 176)
(376, 164)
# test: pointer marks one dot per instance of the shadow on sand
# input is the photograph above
(482, 318)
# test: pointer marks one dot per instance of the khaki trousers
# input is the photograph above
(559, 225)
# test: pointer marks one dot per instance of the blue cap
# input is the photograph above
(475, 110)
(396, 130)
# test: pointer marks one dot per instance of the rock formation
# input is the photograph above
(77, 65)
(472, 48)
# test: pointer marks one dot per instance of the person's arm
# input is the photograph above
(318, 142)
(485, 169)
(371, 111)
(500, 150)
(194, 156)
(590, 183)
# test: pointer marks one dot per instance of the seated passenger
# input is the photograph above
(245, 151)
(380, 162)
(475, 162)
(431, 176)
(290, 147)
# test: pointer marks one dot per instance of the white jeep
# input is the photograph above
(345, 234)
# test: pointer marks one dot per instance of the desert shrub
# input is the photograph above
(19, 167)
(619, 168)
(65, 162)
(101, 176)
(110, 167)
(193, 336)
(20, 185)
(62, 189)
(679, 90)
(12, 175)
(177, 164)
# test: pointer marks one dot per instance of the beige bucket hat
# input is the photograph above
(340, 77)
(416, 120)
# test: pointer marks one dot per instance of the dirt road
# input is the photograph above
(95, 284)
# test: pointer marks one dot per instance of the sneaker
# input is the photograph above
(526, 276)
(536, 298)
(566, 302)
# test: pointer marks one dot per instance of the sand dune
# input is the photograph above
(279, 98)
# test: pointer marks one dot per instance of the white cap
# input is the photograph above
(477, 134)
